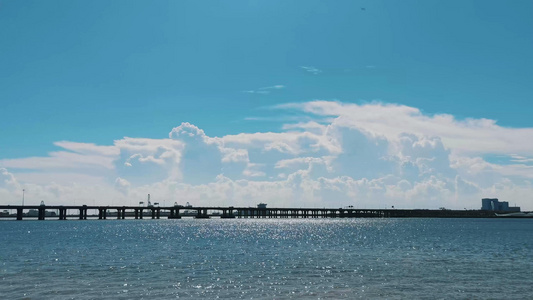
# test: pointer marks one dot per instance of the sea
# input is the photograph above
(215, 258)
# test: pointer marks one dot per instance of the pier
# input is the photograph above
(60, 212)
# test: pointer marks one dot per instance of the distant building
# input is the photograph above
(495, 205)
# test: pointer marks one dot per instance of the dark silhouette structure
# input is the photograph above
(228, 212)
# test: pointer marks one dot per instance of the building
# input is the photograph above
(495, 205)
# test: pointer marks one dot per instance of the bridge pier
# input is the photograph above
(62, 214)
(227, 214)
(19, 213)
(174, 213)
(83, 214)
(202, 214)
(102, 213)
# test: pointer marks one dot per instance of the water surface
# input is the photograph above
(267, 259)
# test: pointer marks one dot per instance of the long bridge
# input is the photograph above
(41, 212)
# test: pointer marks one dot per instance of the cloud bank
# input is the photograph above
(370, 156)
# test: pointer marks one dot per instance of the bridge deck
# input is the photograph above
(176, 212)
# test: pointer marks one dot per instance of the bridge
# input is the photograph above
(62, 212)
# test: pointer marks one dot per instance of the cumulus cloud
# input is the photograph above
(122, 185)
(8, 180)
(372, 155)
(469, 136)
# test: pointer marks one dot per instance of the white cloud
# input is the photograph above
(521, 159)
(265, 90)
(256, 92)
(60, 160)
(470, 136)
(88, 148)
(122, 185)
(8, 180)
(311, 70)
(373, 155)
(273, 87)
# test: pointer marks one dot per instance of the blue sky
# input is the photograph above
(98, 71)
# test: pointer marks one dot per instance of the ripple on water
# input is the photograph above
(266, 258)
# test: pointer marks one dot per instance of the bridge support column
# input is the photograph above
(102, 214)
(41, 213)
(202, 214)
(227, 214)
(174, 214)
(62, 214)
(19, 213)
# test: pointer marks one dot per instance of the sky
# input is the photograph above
(412, 104)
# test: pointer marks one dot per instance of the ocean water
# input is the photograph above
(267, 259)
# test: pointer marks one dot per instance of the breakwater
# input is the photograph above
(61, 212)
